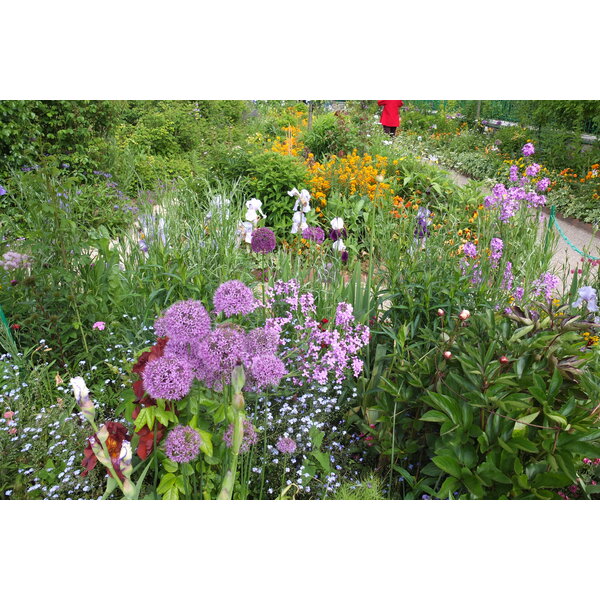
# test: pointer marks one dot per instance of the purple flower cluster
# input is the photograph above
(286, 445)
(321, 353)
(507, 280)
(470, 250)
(528, 149)
(2, 191)
(542, 184)
(314, 234)
(182, 444)
(514, 173)
(265, 370)
(496, 247)
(168, 377)
(546, 283)
(249, 438)
(185, 321)
(196, 349)
(234, 298)
(532, 170)
(263, 240)
(14, 260)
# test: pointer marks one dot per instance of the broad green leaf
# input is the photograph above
(169, 466)
(521, 427)
(434, 416)
(448, 464)
(166, 483)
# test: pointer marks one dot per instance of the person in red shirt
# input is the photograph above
(390, 117)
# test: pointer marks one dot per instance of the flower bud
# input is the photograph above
(82, 396)
(447, 355)
(464, 315)
(441, 312)
(503, 360)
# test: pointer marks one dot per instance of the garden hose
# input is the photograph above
(554, 222)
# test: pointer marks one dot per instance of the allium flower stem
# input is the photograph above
(226, 492)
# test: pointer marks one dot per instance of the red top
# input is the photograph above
(390, 117)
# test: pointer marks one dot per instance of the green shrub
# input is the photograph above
(271, 175)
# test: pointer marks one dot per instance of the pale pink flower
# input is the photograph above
(99, 325)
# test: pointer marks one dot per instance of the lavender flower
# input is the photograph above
(496, 246)
(532, 170)
(169, 378)
(182, 444)
(587, 294)
(343, 314)
(185, 321)
(234, 298)
(547, 283)
(249, 438)
(514, 173)
(2, 191)
(542, 184)
(507, 280)
(519, 293)
(528, 149)
(470, 250)
(286, 445)
(315, 234)
(263, 240)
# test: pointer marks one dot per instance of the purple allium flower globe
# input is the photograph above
(182, 444)
(266, 370)
(262, 340)
(216, 357)
(314, 234)
(249, 438)
(186, 321)
(263, 240)
(169, 378)
(234, 298)
(286, 445)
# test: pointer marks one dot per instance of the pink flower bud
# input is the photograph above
(441, 312)
(447, 355)
(503, 360)
(12, 431)
(464, 315)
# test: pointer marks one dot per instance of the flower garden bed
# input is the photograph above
(288, 314)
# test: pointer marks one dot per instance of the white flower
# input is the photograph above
(298, 221)
(294, 193)
(80, 390)
(244, 231)
(337, 223)
(587, 294)
(419, 138)
(339, 245)
(254, 209)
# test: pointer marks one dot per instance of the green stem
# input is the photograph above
(226, 492)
